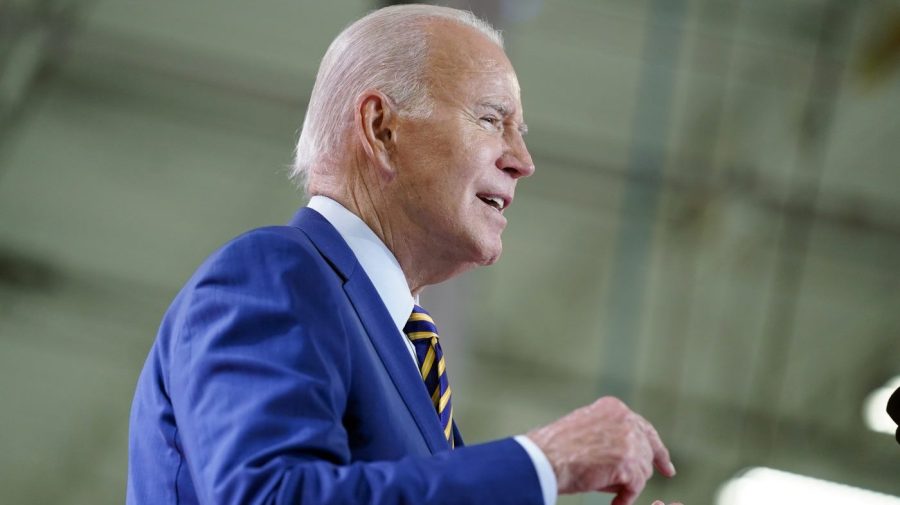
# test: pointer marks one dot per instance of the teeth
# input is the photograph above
(495, 200)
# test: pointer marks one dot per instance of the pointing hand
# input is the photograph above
(606, 447)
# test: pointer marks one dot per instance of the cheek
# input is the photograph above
(452, 167)
(480, 150)
(458, 171)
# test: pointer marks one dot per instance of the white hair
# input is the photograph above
(385, 50)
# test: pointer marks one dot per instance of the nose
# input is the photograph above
(516, 160)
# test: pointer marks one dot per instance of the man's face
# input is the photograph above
(457, 169)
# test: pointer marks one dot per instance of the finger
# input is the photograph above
(657, 502)
(628, 494)
(661, 458)
(624, 498)
(616, 490)
(642, 469)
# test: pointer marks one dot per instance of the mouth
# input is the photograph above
(498, 202)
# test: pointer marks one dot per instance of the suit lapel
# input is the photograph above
(457, 436)
(377, 322)
(396, 358)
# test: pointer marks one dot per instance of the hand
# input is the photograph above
(603, 447)
(657, 502)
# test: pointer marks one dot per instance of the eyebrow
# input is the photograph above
(497, 106)
(504, 111)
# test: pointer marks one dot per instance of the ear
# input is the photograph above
(376, 127)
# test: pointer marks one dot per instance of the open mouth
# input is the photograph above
(493, 201)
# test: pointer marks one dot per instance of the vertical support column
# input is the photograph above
(640, 201)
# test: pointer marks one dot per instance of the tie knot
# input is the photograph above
(420, 325)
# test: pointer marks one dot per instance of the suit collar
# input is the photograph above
(379, 263)
(327, 240)
(378, 323)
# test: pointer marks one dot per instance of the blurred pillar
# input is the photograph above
(662, 44)
(792, 247)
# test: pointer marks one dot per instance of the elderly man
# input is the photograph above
(295, 366)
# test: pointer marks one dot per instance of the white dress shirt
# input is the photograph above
(386, 275)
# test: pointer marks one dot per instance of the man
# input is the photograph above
(295, 365)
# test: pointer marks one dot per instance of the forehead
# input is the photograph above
(465, 64)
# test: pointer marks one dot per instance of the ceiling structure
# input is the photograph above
(712, 234)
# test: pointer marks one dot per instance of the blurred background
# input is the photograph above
(712, 234)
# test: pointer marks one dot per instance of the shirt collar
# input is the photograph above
(374, 257)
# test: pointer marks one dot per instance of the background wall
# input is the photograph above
(712, 234)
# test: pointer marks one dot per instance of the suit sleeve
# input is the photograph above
(258, 381)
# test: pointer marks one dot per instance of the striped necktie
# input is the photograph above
(423, 333)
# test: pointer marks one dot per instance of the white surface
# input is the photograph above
(774, 487)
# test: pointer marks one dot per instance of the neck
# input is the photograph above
(370, 202)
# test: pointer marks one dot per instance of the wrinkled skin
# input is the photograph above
(605, 447)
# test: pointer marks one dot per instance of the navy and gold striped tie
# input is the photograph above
(421, 330)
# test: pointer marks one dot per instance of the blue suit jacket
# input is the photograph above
(279, 377)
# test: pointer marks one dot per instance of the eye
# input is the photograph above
(492, 121)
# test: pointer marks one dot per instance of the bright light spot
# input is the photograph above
(774, 487)
(874, 407)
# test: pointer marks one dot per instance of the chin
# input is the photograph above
(482, 249)
(491, 260)
(491, 254)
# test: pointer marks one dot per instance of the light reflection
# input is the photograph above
(874, 412)
(774, 487)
